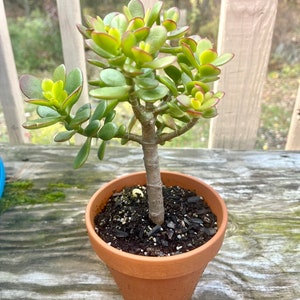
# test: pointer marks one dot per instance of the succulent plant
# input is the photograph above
(144, 59)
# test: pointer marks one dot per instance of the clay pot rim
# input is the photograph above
(203, 248)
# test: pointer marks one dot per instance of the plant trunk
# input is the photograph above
(154, 184)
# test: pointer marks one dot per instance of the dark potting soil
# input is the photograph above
(124, 222)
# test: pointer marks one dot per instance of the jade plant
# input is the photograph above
(145, 59)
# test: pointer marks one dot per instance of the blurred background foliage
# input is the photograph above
(34, 30)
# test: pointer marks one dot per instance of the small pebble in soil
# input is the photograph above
(124, 222)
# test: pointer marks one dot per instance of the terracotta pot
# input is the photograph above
(155, 278)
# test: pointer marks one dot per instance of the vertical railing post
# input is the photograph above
(10, 94)
(72, 43)
(293, 139)
(246, 28)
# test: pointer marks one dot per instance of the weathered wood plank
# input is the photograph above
(10, 95)
(44, 249)
(293, 139)
(246, 30)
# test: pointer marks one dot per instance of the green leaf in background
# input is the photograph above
(170, 25)
(156, 38)
(83, 154)
(40, 123)
(112, 77)
(72, 99)
(74, 80)
(98, 50)
(161, 63)
(153, 95)
(223, 59)
(141, 33)
(107, 42)
(174, 73)
(101, 150)
(120, 23)
(208, 56)
(45, 111)
(110, 93)
(153, 14)
(92, 128)
(82, 115)
(203, 45)
(169, 83)
(31, 87)
(59, 73)
(136, 8)
(64, 136)
(180, 32)
(140, 56)
(108, 131)
(146, 83)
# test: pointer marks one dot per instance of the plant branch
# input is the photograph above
(169, 136)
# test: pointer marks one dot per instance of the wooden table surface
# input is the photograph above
(45, 252)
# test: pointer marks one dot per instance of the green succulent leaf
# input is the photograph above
(97, 63)
(83, 154)
(153, 95)
(101, 150)
(156, 38)
(107, 42)
(174, 73)
(153, 14)
(169, 121)
(92, 128)
(203, 45)
(64, 136)
(136, 8)
(72, 99)
(223, 59)
(170, 25)
(98, 50)
(141, 33)
(172, 14)
(110, 93)
(108, 131)
(128, 41)
(42, 102)
(135, 23)
(210, 113)
(31, 87)
(59, 74)
(161, 63)
(178, 33)
(45, 112)
(189, 55)
(140, 56)
(73, 81)
(82, 115)
(99, 111)
(169, 84)
(146, 83)
(209, 71)
(110, 116)
(120, 23)
(112, 77)
(208, 56)
(43, 122)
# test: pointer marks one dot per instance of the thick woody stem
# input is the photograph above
(154, 185)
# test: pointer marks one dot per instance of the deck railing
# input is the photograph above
(244, 29)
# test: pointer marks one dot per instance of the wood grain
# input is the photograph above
(45, 252)
(245, 30)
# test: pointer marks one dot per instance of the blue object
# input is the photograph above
(2, 177)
